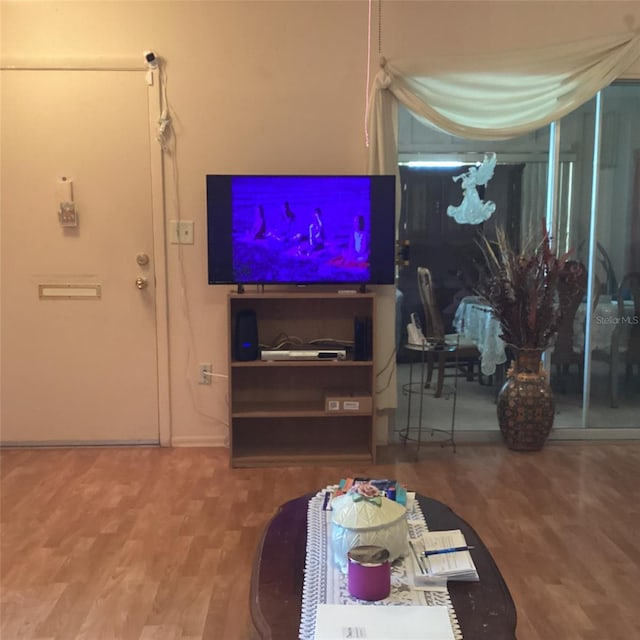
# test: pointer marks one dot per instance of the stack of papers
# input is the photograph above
(339, 621)
(443, 554)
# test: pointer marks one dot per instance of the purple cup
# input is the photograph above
(369, 573)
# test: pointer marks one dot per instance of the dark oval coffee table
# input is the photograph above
(485, 609)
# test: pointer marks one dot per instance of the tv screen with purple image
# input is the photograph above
(301, 229)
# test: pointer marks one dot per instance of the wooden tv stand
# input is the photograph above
(277, 412)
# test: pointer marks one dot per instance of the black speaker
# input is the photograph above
(246, 336)
(363, 346)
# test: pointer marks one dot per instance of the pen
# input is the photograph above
(437, 552)
(415, 555)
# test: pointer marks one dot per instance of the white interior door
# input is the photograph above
(77, 369)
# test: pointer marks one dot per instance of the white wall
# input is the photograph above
(270, 87)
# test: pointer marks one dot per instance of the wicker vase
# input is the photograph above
(525, 403)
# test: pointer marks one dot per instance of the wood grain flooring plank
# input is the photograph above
(157, 544)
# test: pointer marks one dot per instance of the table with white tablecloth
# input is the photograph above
(605, 319)
(475, 321)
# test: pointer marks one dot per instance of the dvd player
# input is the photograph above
(303, 354)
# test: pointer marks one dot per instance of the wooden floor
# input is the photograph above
(144, 543)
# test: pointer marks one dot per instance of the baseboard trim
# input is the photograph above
(58, 444)
(593, 433)
(477, 436)
(199, 441)
(558, 434)
(179, 441)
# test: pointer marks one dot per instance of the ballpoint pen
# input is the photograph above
(437, 552)
(417, 557)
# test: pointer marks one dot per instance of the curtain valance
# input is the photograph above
(492, 96)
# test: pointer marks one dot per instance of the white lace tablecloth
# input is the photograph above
(605, 319)
(475, 321)
(325, 583)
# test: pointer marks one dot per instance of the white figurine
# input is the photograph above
(472, 210)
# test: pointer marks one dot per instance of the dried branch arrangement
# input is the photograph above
(522, 289)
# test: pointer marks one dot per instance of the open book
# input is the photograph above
(444, 554)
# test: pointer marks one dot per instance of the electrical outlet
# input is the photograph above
(205, 370)
(181, 231)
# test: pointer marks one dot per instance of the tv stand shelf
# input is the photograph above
(290, 409)
(277, 409)
(302, 363)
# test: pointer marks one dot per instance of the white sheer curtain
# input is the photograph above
(492, 97)
(486, 97)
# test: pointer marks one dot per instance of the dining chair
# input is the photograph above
(625, 339)
(442, 350)
(572, 286)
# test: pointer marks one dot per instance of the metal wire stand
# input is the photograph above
(421, 433)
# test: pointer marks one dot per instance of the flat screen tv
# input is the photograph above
(286, 229)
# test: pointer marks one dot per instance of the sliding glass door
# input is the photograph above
(593, 176)
(614, 376)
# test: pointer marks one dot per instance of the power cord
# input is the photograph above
(210, 374)
(163, 133)
(391, 362)
(166, 138)
(164, 122)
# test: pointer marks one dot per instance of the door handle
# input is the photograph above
(142, 283)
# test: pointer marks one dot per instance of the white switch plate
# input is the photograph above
(181, 231)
